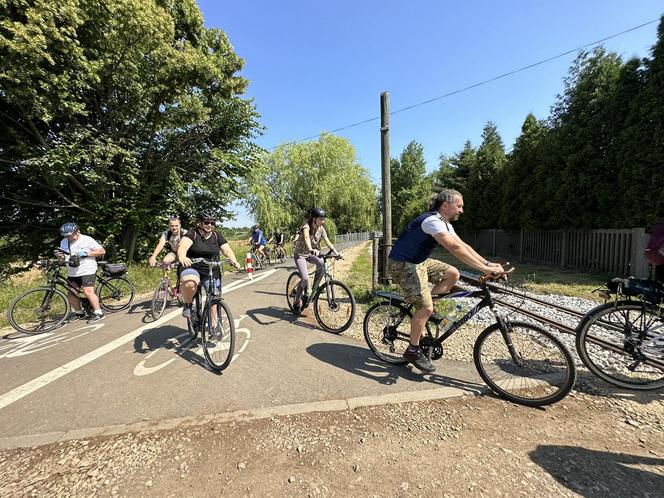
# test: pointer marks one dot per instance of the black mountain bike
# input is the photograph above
(334, 303)
(619, 341)
(519, 361)
(211, 317)
(45, 308)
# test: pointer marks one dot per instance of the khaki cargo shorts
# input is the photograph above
(413, 279)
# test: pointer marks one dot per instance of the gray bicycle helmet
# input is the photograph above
(206, 214)
(317, 213)
(68, 229)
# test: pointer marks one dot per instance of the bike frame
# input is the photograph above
(208, 293)
(486, 301)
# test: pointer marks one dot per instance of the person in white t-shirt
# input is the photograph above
(82, 268)
(172, 237)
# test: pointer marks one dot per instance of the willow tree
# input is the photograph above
(324, 173)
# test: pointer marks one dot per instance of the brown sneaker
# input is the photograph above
(418, 360)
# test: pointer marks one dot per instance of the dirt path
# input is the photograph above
(583, 446)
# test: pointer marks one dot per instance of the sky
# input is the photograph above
(315, 66)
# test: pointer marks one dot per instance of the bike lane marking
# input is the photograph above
(181, 343)
(35, 384)
(26, 346)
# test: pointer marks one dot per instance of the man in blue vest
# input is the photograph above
(412, 269)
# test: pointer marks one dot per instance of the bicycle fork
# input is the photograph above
(506, 331)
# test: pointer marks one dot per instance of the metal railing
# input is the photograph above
(343, 241)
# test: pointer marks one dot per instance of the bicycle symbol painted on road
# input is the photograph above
(181, 345)
(33, 344)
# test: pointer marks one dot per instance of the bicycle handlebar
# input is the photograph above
(496, 275)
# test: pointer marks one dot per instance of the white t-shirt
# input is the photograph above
(435, 224)
(173, 240)
(88, 264)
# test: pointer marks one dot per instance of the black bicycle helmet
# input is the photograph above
(206, 214)
(317, 213)
(68, 229)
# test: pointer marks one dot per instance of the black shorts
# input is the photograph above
(83, 280)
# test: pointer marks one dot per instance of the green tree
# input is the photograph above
(481, 195)
(288, 182)
(116, 114)
(410, 186)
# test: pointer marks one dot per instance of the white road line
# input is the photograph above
(30, 387)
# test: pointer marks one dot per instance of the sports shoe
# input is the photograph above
(216, 332)
(96, 317)
(419, 361)
(305, 301)
(296, 308)
(75, 316)
(186, 311)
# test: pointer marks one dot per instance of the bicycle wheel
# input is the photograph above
(539, 372)
(218, 335)
(159, 299)
(115, 293)
(334, 306)
(38, 310)
(387, 331)
(291, 288)
(612, 343)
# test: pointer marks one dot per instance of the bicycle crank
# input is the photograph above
(427, 343)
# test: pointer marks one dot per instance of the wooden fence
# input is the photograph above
(619, 252)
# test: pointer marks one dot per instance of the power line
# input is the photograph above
(475, 85)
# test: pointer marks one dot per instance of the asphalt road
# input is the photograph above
(128, 369)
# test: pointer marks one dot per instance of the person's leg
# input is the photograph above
(189, 280)
(72, 296)
(301, 264)
(318, 262)
(414, 283)
(88, 285)
(442, 275)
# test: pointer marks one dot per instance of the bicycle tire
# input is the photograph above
(341, 307)
(610, 323)
(291, 288)
(540, 374)
(381, 335)
(218, 346)
(115, 293)
(159, 299)
(39, 300)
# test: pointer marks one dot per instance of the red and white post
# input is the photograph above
(250, 269)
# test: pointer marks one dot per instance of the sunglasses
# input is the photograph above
(208, 222)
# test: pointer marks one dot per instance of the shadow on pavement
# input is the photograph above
(589, 383)
(592, 473)
(172, 339)
(360, 361)
(275, 314)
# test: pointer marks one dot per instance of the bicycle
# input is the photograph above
(616, 340)
(279, 254)
(218, 340)
(334, 303)
(43, 309)
(165, 291)
(257, 259)
(519, 361)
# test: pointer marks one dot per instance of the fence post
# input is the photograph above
(374, 261)
(521, 246)
(639, 266)
(493, 243)
(563, 249)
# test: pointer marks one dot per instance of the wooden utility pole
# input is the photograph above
(387, 182)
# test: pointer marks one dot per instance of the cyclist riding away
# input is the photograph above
(412, 269)
(81, 268)
(257, 241)
(307, 249)
(172, 237)
(203, 241)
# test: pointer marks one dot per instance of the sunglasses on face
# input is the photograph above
(209, 222)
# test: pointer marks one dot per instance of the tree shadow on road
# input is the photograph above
(361, 361)
(592, 473)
